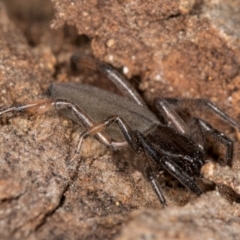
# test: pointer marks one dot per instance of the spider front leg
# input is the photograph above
(207, 129)
(139, 142)
(198, 128)
(168, 107)
(152, 177)
(133, 141)
(169, 165)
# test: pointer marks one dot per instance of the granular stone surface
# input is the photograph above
(187, 48)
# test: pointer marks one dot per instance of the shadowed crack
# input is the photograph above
(16, 197)
(72, 177)
(52, 211)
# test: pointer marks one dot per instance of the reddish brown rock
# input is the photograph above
(176, 48)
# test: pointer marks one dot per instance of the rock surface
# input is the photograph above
(182, 48)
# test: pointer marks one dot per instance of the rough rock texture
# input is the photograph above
(173, 48)
(163, 42)
(198, 220)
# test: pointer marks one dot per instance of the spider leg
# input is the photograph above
(176, 171)
(162, 104)
(130, 136)
(218, 136)
(169, 113)
(152, 177)
(101, 126)
(215, 109)
(169, 165)
(197, 134)
(44, 105)
(112, 74)
(198, 127)
(138, 142)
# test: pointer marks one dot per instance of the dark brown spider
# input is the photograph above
(176, 147)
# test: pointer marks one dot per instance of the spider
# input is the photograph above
(176, 146)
